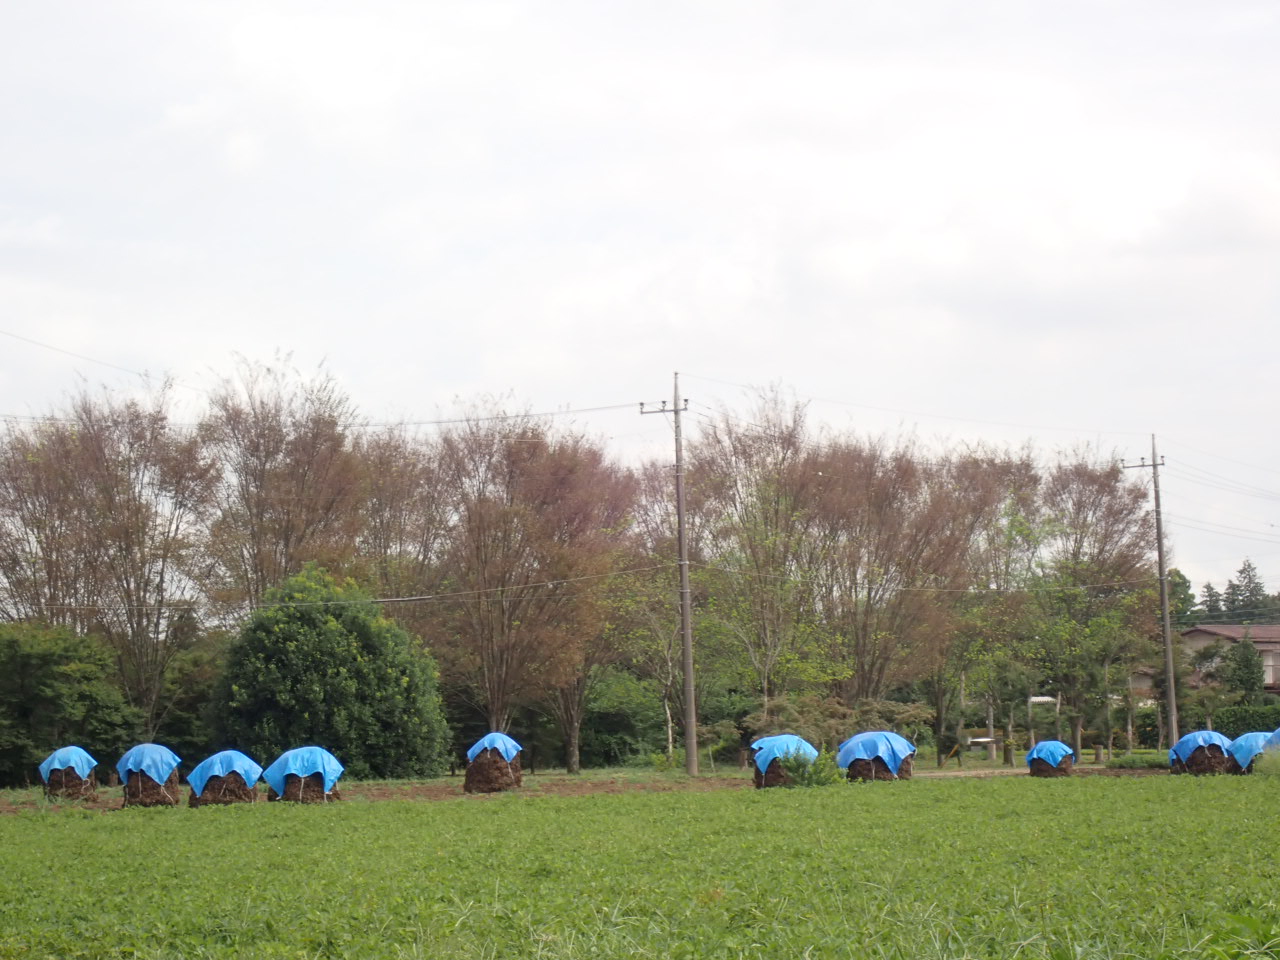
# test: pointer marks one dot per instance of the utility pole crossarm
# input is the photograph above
(677, 407)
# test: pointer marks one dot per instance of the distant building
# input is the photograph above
(1265, 636)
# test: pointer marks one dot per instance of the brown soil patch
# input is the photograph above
(1042, 768)
(228, 789)
(548, 785)
(1207, 760)
(490, 773)
(66, 784)
(308, 789)
(141, 791)
(1106, 772)
(1233, 766)
(877, 769)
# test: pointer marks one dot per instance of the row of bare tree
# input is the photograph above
(528, 558)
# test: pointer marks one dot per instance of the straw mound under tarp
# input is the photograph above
(1043, 768)
(773, 776)
(228, 789)
(876, 769)
(141, 791)
(1245, 749)
(488, 772)
(1233, 767)
(766, 768)
(308, 789)
(66, 784)
(1205, 760)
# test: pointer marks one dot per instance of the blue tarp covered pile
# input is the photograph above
(74, 757)
(155, 761)
(78, 782)
(1202, 751)
(1051, 754)
(223, 790)
(150, 776)
(302, 762)
(769, 749)
(892, 750)
(493, 765)
(495, 741)
(1245, 748)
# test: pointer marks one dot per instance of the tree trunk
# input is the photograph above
(671, 726)
(1008, 731)
(991, 731)
(1077, 734)
(940, 720)
(570, 705)
(1106, 694)
(1128, 726)
(572, 757)
(499, 717)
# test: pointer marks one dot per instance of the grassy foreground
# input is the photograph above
(1160, 867)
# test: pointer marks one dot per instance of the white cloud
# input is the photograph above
(1058, 216)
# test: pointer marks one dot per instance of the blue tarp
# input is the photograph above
(769, 749)
(64, 757)
(155, 761)
(221, 764)
(1247, 746)
(303, 762)
(1273, 741)
(1199, 738)
(1050, 751)
(885, 744)
(495, 741)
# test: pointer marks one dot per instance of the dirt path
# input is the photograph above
(546, 784)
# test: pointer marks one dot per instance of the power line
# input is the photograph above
(80, 356)
(958, 590)
(932, 416)
(1218, 456)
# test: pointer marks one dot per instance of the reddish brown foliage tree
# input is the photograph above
(289, 485)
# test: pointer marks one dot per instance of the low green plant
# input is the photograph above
(929, 869)
(663, 762)
(1139, 761)
(819, 772)
(1268, 765)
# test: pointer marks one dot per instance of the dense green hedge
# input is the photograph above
(1233, 721)
(1229, 721)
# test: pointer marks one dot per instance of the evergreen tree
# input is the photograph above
(320, 665)
(1211, 608)
(57, 690)
(1182, 599)
(1241, 671)
(1245, 600)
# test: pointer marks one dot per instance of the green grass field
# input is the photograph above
(1159, 867)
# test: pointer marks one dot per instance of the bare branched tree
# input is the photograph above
(289, 485)
(103, 513)
(534, 520)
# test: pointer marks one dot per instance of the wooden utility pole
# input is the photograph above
(682, 550)
(1171, 694)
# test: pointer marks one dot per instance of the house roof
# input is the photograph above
(1237, 631)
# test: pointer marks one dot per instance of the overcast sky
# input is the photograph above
(971, 221)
